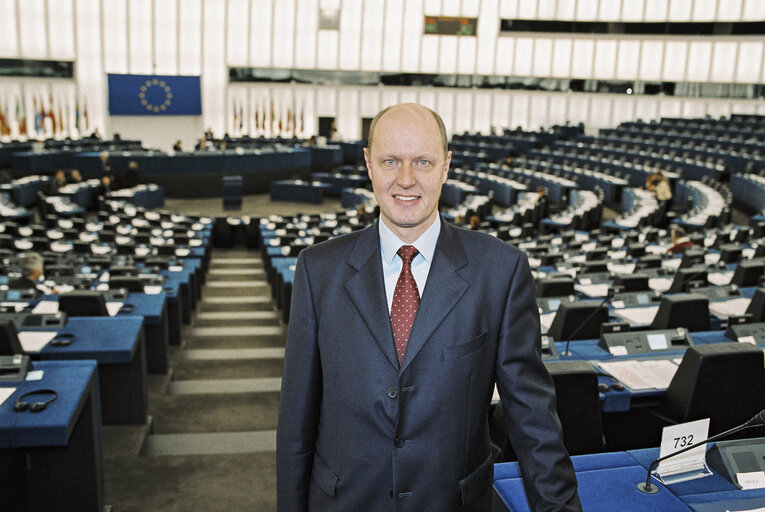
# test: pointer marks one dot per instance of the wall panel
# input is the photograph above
(283, 33)
(34, 34)
(350, 36)
(393, 35)
(651, 60)
(115, 46)
(60, 30)
(8, 35)
(237, 30)
(260, 37)
(632, 10)
(306, 30)
(605, 58)
(675, 60)
(543, 55)
(749, 62)
(166, 38)
(581, 64)
(724, 61)
(656, 10)
(189, 38)
(447, 54)
(700, 55)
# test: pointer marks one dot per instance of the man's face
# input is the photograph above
(407, 166)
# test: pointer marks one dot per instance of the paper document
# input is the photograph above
(113, 307)
(592, 290)
(641, 374)
(46, 307)
(546, 320)
(152, 289)
(17, 306)
(637, 316)
(5, 393)
(660, 284)
(35, 341)
(726, 308)
(720, 278)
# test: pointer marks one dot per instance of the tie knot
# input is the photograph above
(407, 253)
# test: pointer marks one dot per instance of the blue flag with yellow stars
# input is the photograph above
(154, 95)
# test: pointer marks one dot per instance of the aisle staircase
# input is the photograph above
(211, 441)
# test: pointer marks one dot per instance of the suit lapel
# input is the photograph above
(442, 291)
(366, 289)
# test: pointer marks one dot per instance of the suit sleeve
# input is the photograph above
(300, 399)
(528, 398)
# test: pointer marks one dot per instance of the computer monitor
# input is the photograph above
(9, 339)
(130, 283)
(689, 310)
(757, 306)
(748, 273)
(83, 303)
(637, 282)
(568, 321)
(555, 287)
(685, 276)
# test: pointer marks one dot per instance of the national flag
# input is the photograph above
(52, 115)
(77, 114)
(39, 115)
(5, 127)
(256, 118)
(85, 120)
(302, 120)
(236, 116)
(21, 116)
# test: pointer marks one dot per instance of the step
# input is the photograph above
(217, 262)
(215, 412)
(242, 303)
(210, 443)
(236, 337)
(236, 288)
(246, 368)
(233, 353)
(224, 386)
(236, 318)
(235, 274)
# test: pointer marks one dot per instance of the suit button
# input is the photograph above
(392, 393)
(399, 443)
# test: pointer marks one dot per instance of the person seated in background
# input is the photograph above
(75, 176)
(106, 167)
(31, 268)
(56, 182)
(680, 242)
(131, 175)
(177, 146)
(202, 145)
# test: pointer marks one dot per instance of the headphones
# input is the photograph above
(22, 405)
(126, 308)
(63, 339)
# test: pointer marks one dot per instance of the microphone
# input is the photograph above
(606, 299)
(646, 487)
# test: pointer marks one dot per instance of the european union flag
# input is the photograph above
(154, 95)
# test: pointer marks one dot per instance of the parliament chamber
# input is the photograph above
(163, 165)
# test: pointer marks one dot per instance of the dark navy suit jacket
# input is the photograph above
(359, 432)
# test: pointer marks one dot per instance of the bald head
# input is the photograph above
(414, 109)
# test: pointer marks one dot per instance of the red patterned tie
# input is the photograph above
(405, 301)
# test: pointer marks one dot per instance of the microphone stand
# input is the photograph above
(607, 298)
(647, 488)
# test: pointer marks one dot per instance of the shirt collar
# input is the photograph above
(425, 244)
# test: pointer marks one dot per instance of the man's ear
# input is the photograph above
(447, 163)
(367, 161)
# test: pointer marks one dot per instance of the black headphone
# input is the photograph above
(63, 339)
(22, 405)
(126, 308)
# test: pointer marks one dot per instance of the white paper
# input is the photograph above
(113, 307)
(720, 278)
(5, 393)
(546, 320)
(677, 437)
(591, 290)
(660, 284)
(152, 289)
(726, 308)
(747, 339)
(175, 268)
(751, 480)
(34, 375)
(640, 374)
(46, 307)
(617, 304)
(17, 306)
(637, 316)
(618, 350)
(35, 341)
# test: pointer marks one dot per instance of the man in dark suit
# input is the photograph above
(382, 412)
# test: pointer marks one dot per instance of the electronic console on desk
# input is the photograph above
(28, 320)
(629, 299)
(20, 295)
(741, 329)
(116, 294)
(617, 339)
(729, 458)
(717, 292)
(14, 368)
(548, 348)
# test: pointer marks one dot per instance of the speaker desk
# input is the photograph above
(608, 482)
(53, 458)
(118, 344)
